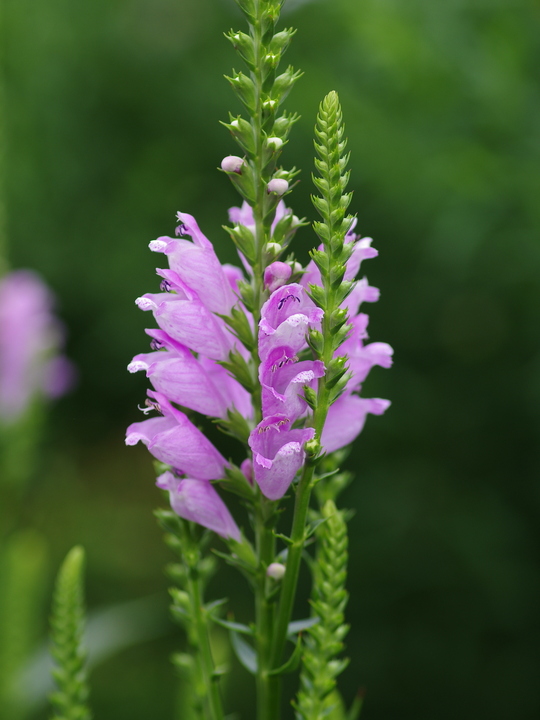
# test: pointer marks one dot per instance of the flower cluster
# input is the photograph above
(194, 342)
(30, 340)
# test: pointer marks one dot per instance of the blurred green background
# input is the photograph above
(113, 110)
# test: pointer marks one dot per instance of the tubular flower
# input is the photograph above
(283, 379)
(278, 454)
(30, 339)
(196, 264)
(198, 501)
(346, 419)
(196, 383)
(361, 358)
(285, 319)
(184, 369)
(244, 215)
(187, 319)
(174, 440)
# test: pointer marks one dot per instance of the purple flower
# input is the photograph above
(283, 379)
(277, 275)
(361, 358)
(346, 419)
(187, 319)
(198, 501)
(199, 384)
(285, 319)
(278, 454)
(244, 215)
(175, 441)
(197, 265)
(30, 337)
(362, 292)
(362, 251)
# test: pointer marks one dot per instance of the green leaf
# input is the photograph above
(236, 627)
(298, 626)
(292, 663)
(244, 652)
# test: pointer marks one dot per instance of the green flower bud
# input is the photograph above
(243, 44)
(242, 132)
(245, 90)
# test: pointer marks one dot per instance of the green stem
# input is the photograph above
(268, 690)
(294, 557)
(203, 645)
(264, 616)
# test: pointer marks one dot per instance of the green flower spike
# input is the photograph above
(317, 697)
(67, 625)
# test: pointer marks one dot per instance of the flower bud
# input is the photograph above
(272, 250)
(232, 163)
(247, 468)
(270, 105)
(274, 143)
(276, 571)
(276, 274)
(278, 186)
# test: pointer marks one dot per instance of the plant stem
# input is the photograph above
(264, 615)
(294, 556)
(268, 687)
(203, 644)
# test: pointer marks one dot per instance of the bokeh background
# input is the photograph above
(113, 125)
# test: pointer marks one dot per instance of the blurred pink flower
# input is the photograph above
(30, 340)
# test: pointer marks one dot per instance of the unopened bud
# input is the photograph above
(273, 248)
(232, 163)
(274, 143)
(276, 274)
(312, 447)
(276, 571)
(270, 105)
(247, 468)
(278, 186)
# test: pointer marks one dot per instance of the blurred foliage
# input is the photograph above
(113, 110)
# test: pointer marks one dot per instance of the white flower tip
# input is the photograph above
(276, 571)
(158, 245)
(145, 303)
(132, 438)
(278, 186)
(232, 164)
(235, 124)
(274, 143)
(136, 366)
(273, 248)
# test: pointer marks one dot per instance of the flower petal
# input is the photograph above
(346, 419)
(199, 502)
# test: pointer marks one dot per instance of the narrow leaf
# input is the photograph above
(244, 652)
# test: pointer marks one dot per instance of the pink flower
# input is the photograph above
(187, 319)
(285, 319)
(346, 419)
(197, 265)
(174, 440)
(196, 383)
(283, 379)
(198, 501)
(278, 454)
(30, 338)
